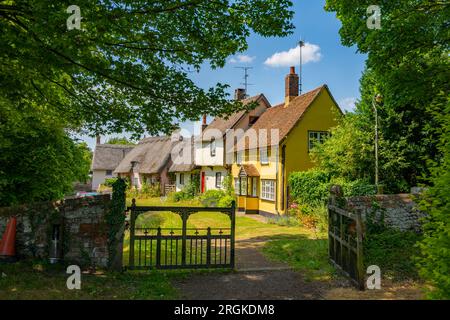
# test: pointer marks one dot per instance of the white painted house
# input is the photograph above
(105, 160)
(210, 148)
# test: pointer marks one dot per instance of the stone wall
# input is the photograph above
(398, 211)
(80, 222)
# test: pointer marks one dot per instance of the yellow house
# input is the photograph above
(285, 134)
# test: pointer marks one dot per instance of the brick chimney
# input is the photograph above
(204, 124)
(239, 94)
(291, 86)
(98, 139)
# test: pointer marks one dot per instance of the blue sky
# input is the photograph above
(326, 61)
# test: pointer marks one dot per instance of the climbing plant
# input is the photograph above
(115, 219)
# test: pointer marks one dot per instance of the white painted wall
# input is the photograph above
(210, 177)
(203, 153)
(99, 176)
(187, 180)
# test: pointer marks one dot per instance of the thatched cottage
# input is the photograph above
(105, 160)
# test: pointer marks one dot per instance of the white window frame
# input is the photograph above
(316, 137)
(263, 155)
(239, 157)
(237, 186)
(218, 182)
(212, 147)
(268, 189)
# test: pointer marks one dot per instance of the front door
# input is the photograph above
(203, 182)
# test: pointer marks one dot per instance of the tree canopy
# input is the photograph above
(127, 68)
(408, 65)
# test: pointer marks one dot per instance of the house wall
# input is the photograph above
(99, 176)
(320, 116)
(203, 154)
(210, 176)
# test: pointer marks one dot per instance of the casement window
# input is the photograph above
(109, 172)
(268, 190)
(239, 157)
(237, 186)
(212, 147)
(316, 137)
(263, 155)
(218, 180)
(240, 186)
(181, 178)
(254, 186)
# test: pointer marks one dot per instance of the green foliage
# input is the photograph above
(38, 160)
(120, 140)
(115, 219)
(149, 190)
(312, 187)
(226, 201)
(110, 181)
(211, 198)
(434, 259)
(410, 70)
(228, 185)
(189, 191)
(309, 186)
(393, 252)
(128, 68)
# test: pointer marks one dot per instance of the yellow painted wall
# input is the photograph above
(321, 116)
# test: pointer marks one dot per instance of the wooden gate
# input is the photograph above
(345, 242)
(181, 248)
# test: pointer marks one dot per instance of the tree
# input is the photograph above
(38, 160)
(434, 263)
(128, 67)
(120, 140)
(408, 64)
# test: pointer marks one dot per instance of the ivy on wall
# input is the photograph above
(115, 218)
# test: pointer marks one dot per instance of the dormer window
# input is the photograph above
(252, 120)
(212, 147)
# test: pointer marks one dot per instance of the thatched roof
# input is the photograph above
(108, 156)
(184, 163)
(150, 154)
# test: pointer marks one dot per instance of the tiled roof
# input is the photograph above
(225, 123)
(249, 170)
(284, 118)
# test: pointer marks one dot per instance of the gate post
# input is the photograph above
(233, 225)
(132, 230)
(359, 251)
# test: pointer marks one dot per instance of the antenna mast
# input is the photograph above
(301, 44)
(245, 83)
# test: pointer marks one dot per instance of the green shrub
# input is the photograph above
(309, 186)
(226, 201)
(393, 252)
(149, 190)
(109, 181)
(355, 187)
(211, 198)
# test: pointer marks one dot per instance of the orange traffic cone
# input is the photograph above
(8, 243)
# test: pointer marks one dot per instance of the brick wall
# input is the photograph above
(82, 225)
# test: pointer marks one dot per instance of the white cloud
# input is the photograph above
(242, 58)
(310, 53)
(348, 104)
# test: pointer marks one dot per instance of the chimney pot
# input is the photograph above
(239, 94)
(204, 124)
(292, 70)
